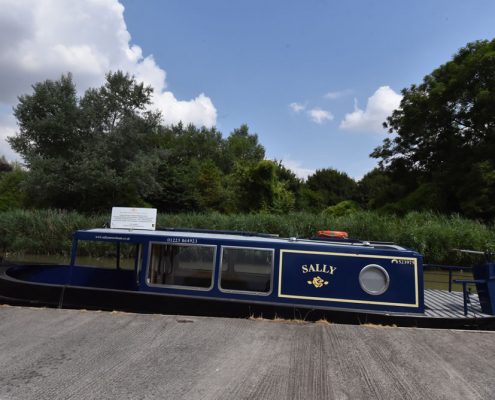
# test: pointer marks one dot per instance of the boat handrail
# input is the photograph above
(220, 232)
(354, 242)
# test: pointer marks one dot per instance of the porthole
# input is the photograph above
(374, 279)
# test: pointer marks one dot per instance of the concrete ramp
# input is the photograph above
(73, 354)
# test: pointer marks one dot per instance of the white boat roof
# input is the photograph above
(265, 238)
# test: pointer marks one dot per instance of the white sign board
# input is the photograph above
(133, 218)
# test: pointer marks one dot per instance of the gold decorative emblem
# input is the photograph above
(317, 282)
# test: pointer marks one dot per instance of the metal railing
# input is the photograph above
(450, 269)
(466, 283)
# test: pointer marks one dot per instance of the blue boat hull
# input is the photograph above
(21, 285)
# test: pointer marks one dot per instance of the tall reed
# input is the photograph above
(435, 236)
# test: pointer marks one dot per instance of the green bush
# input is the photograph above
(345, 207)
(11, 194)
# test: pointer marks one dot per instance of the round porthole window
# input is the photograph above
(374, 279)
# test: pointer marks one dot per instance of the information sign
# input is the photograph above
(133, 218)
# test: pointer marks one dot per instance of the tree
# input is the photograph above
(4, 165)
(120, 99)
(476, 194)
(48, 120)
(257, 188)
(209, 192)
(374, 189)
(11, 191)
(330, 187)
(175, 191)
(242, 147)
(445, 127)
(185, 143)
(108, 149)
(289, 178)
(88, 154)
(199, 170)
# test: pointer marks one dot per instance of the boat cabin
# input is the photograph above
(316, 273)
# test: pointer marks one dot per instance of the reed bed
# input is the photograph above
(435, 236)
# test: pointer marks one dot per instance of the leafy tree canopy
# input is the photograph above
(4, 165)
(444, 130)
(243, 147)
(331, 187)
(449, 114)
(89, 153)
(48, 120)
(11, 193)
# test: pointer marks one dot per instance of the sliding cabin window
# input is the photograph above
(246, 269)
(108, 255)
(182, 265)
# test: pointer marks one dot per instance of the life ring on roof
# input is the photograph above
(333, 234)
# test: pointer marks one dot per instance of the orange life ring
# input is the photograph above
(333, 234)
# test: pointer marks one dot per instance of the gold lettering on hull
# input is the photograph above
(321, 268)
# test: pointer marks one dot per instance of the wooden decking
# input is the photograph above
(445, 304)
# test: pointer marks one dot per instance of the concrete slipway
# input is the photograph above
(72, 354)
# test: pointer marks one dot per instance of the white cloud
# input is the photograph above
(296, 167)
(7, 128)
(337, 94)
(380, 105)
(316, 114)
(43, 39)
(199, 111)
(297, 107)
(319, 116)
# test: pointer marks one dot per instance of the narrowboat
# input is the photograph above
(232, 274)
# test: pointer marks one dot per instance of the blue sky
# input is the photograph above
(300, 74)
(255, 58)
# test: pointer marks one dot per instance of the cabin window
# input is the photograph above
(108, 255)
(182, 265)
(246, 269)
